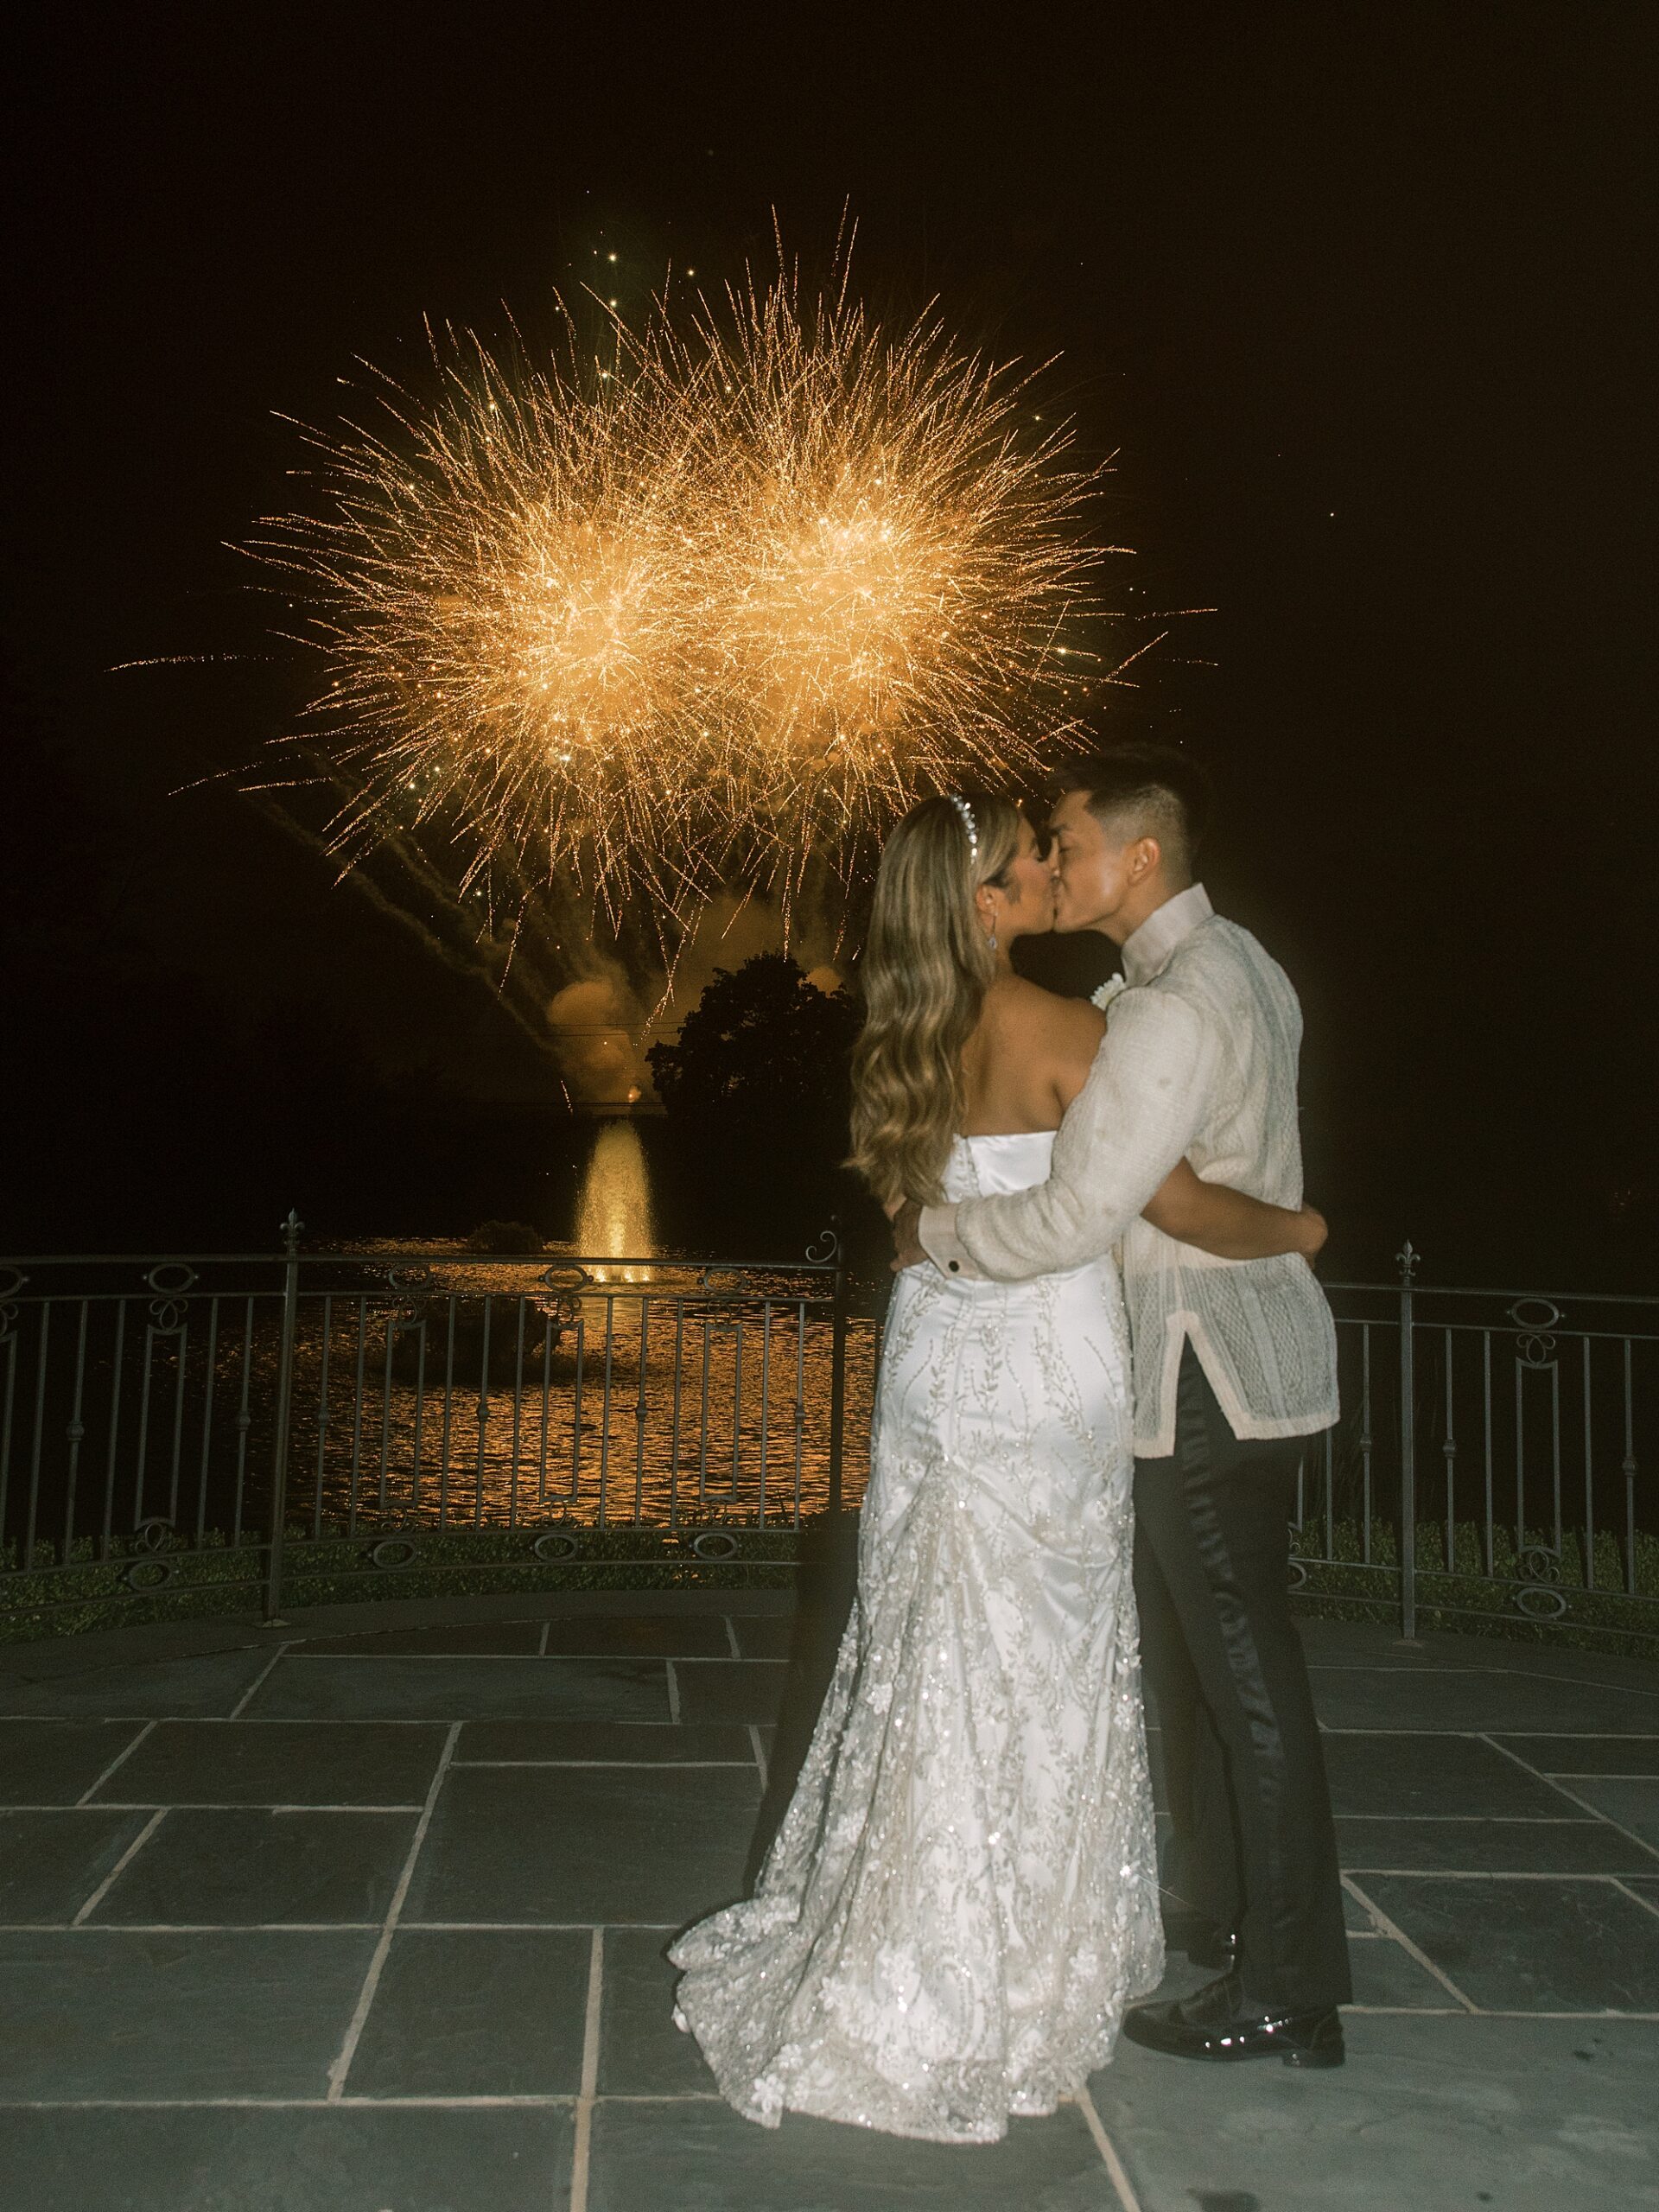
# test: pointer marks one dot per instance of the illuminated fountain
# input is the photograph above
(613, 1209)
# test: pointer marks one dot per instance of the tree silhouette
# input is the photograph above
(756, 1092)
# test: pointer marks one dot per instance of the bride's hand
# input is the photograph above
(1314, 1230)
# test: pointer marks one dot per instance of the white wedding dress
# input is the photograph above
(962, 1897)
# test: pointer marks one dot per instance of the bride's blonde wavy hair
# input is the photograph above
(924, 975)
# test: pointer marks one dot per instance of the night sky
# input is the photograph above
(1361, 299)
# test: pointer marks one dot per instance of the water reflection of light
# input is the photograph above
(613, 1209)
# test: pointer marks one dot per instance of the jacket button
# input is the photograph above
(955, 1267)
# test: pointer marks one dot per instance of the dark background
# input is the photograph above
(1361, 298)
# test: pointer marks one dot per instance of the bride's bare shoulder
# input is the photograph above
(1024, 1013)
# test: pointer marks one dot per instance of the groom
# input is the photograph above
(1235, 1363)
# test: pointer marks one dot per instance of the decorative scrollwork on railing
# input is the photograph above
(1297, 1579)
(147, 1574)
(556, 1544)
(566, 1277)
(12, 1281)
(393, 1551)
(824, 1248)
(1535, 1319)
(1536, 1315)
(1537, 1595)
(714, 1543)
(169, 1279)
(419, 1277)
(153, 1540)
(1539, 1602)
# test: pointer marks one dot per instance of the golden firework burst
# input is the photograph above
(674, 621)
(898, 572)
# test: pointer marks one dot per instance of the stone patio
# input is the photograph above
(367, 1913)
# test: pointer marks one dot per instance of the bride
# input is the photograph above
(962, 1897)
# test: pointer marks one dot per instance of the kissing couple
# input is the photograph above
(962, 1906)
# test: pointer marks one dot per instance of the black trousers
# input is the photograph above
(1253, 1845)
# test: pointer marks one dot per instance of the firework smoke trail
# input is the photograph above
(667, 626)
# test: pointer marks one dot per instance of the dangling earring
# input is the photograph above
(993, 938)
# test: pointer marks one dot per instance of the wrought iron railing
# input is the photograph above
(238, 1425)
(263, 1413)
(1489, 1460)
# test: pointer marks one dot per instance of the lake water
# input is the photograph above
(642, 1389)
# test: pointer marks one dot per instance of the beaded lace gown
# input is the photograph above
(962, 1897)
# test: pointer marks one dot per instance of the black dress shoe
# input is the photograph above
(1217, 2023)
(1205, 1941)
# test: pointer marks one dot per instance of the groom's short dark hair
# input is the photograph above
(1150, 790)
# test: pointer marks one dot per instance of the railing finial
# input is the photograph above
(1406, 1260)
(293, 1230)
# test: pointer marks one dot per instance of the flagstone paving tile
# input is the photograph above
(500, 1637)
(343, 2159)
(1384, 1972)
(465, 1689)
(1530, 1946)
(1570, 1755)
(767, 1637)
(279, 1763)
(1491, 1702)
(213, 1683)
(52, 1862)
(644, 1635)
(552, 1743)
(104, 2013)
(1354, 1914)
(239, 1868)
(1556, 1847)
(1632, 1801)
(459, 2013)
(55, 1762)
(1372, 1644)
(702, 2158)
(1432, 2113)
(1400, 1774)
(734, 1689)
(585, 1844)
(641, 2051)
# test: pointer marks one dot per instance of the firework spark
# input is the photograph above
(669, 623)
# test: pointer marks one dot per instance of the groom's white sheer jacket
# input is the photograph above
(1199, 1061)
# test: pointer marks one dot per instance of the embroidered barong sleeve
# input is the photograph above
(1135, 1116)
